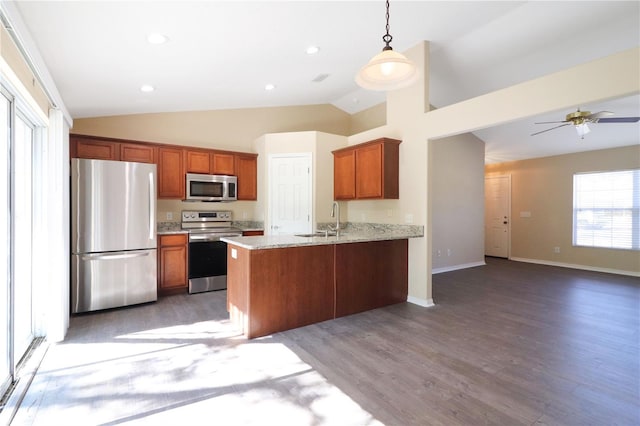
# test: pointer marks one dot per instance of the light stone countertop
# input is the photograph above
(398, 232)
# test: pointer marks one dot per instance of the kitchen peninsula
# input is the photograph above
(276, 283)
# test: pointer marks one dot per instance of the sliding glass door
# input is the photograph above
(6, 373)
(22, 218)
(16, 237)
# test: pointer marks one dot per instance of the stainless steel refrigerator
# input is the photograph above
(113, 234)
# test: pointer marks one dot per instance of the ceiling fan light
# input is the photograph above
(582, 129)
(388, 70)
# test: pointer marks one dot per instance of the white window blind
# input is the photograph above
(606, 209)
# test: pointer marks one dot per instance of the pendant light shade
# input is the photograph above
(388, 70)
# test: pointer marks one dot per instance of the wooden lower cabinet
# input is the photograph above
(278, 289)
(172, 264)
(371, 275)
(284, 288)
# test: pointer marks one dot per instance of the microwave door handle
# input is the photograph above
(152, 212)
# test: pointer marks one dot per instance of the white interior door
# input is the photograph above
(290, 200)
(497, 216)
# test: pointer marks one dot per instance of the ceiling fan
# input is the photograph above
(580, 119)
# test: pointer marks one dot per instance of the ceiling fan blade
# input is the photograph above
(618, 120)
(551, 122)
(597, 115)
(562, 125)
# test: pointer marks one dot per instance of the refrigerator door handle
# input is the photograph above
(113, 256)
(152, 212)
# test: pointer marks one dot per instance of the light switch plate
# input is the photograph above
(169, 215)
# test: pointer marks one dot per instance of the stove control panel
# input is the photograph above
(206, 216)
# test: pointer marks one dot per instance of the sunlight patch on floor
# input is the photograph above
(183, 372)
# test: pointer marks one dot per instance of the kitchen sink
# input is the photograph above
(318, 234)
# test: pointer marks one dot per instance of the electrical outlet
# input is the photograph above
(408, 218)
(556, 249)
(389, 212)
(245, 215)
(169, 215)
(438, 253)
(448, 252)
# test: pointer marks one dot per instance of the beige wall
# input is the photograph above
(369, 118)
(544, 187)
(224, 129)
(319, 145)
(457, 191)
(17, 72)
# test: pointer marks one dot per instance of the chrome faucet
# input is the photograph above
(335, 212)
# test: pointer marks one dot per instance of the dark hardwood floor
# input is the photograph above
(507, 344)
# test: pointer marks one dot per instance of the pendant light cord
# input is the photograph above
(387, 37)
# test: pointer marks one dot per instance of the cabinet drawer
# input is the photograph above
(173, 240)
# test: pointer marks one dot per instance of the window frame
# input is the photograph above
(608, 207)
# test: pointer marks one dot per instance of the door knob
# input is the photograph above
(505, 222)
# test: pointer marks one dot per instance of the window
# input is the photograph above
(606, 209)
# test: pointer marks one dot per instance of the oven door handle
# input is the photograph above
(204, 238)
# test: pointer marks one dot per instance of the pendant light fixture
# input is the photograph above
(388, 70)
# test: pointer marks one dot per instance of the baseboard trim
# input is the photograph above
(574, 266)
(427, 303)
(456, 267)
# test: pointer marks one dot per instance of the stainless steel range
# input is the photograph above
(207, 254)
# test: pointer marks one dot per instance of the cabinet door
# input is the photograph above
(172, 264)
(247, 172)
(138, 153)
(170, 173)
(369, 172)
(95, 149)
(223, 164)
(198, 162)
(344, 175)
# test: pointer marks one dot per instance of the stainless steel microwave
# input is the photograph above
(211, 187)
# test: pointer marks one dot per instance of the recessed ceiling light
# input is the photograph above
(312, 50)
(269, 87)
(157, 38)
(147, 88)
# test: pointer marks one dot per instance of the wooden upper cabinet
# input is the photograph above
(367, 171)
(344, 171)
(174, 162)
(94, 149)
(197, 162)
(247, 172)
(171, 175)
(138, 153)
(223, 164)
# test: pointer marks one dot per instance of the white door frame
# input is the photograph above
(271, 157)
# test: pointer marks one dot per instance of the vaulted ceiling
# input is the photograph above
(221, 55)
